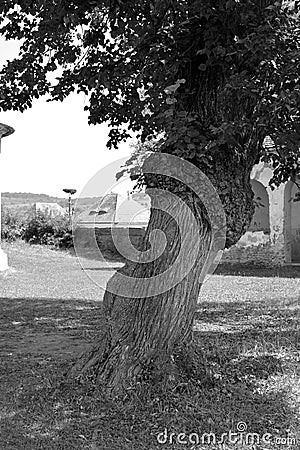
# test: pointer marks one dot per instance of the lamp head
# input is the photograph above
(5, 130)
(70, 191)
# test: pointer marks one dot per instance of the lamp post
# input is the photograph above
(5, 130)
(70, 192)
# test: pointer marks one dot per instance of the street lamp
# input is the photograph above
(5, 130)
(70, 192)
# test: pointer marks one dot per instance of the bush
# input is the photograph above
(40, 229)
(12, 225)
(45, 230)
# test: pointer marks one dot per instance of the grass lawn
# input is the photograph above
(248, 363)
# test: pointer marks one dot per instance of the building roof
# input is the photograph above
(118, 210)
(101, 212)
(51, 209)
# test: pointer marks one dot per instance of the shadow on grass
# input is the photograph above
(247, 351)
(250, 327)
(44, 326)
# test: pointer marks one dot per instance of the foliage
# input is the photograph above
(134, 164)
(12, 225)
(42, 229)
(208, 74)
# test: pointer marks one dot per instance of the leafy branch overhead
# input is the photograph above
(207, 74)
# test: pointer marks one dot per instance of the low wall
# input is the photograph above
(256, 248)
(88, 237)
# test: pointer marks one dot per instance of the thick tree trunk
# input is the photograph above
(141, 334)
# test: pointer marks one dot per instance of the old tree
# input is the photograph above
(213, 78)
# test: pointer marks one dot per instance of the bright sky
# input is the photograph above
(53, 146)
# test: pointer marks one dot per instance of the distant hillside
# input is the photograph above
(21, 202)
(16, 198)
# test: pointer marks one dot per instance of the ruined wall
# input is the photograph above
(259, 250)
(264, 243)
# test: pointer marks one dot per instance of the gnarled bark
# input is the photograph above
(142, 333)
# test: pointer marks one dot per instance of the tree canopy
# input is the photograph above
(208, 74)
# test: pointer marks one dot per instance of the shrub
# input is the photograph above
(40, 229)
(45, 230)
(12, 225)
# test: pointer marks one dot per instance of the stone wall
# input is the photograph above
(259, 251)
(88, 238)
(263, 247)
